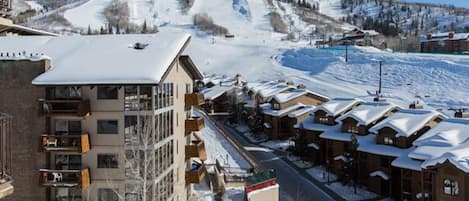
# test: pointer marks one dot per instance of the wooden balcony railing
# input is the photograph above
(196, 174)
(194, 99)
(194, 124)
(66, 143)
(65, 178)
(66, 107)
(196, 149)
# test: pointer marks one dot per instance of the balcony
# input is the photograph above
(6, 187)
(194, 99)
(65, 178)
(196, 174)
(194, 124)
(79, 108)
(196, 149)
(66, 143)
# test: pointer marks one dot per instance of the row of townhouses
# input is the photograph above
(407, 154)
(100, 118)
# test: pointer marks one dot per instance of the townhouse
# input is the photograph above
(449, 42)
(357, 122)
(219, 99)
(287, 109)
(308, 143)
(114, 118)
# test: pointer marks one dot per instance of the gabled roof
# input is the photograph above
(368, 112)
(448, 141)
(104, 59)
(7, 26)
(267, 109)
(406, 122)
(290, 95)
(215, 92)
(274, 89)
(338, 105)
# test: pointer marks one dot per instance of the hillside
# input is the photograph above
(260, 53)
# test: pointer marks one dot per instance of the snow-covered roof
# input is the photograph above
(381, 174)
(102, 59)
(291, 95)
(404, 161)
(308, 124)
(445, 36)
(215, 92)
(341, 158)
(337, 105)
(313, 145)
(406, 122)
(267, 109)
(297, 113)
(7, 26)
(448, 141)
(274, 89)
(368, 112)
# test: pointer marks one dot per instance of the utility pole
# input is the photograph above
(380, 75)
(346, 51)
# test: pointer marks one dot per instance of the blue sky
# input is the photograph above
(460, 3)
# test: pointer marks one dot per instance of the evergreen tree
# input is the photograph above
(89, 30)
(144, 27)
(102, 31)
(118, 30)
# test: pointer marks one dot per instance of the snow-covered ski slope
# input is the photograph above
(258, 54)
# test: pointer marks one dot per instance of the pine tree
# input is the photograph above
(144, 27)
(89, 30)
(118, 30)
(102, 31)
(109, 29)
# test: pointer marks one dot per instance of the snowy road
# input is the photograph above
(293, 186)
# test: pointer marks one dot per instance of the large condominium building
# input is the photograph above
(103, 118)
(5, 8)
(6, 187)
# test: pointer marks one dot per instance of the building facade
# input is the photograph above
(113, 136)
(6, 124)
(445, 43)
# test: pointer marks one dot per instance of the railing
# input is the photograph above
(196, 174)
(66, 107)
(65, 178)
(194, 124)
(67, 143)
(196, 149)
(194, 99)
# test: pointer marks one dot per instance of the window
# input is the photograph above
(107, 127)
(323, 120)
(388, 140)
(352, 129)
(107, 92)
(106, 194)
(107, 161)
(450, 187)
(276, 106)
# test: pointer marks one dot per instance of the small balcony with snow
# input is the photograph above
(196, 173)
(65, 101)
(66, 143)
(65, 178)
(195, 99)
(196, 149)
(194, 124)
(6, 187)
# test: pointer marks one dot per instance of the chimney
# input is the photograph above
(416, 105)
(461, 113)
(451, 35)
(429, 36)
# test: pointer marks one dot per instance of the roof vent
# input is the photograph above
(416, 105)
(140, 46)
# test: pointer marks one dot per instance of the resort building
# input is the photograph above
(114, 120)
(5, 8)
(6, 187)
(287, 109)
(445, 43)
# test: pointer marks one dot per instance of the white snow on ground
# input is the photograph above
(320, 174)
(331, 8)
(34, 5)
(347, 192)
(279, 144)
(88, 14)
(218, 147)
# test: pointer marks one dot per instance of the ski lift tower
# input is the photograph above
(378, 97)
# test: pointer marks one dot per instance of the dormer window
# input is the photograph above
(276, 106)
(323, 120)
(388, 140)
(450, 187)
